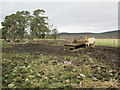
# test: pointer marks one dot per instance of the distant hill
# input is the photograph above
(116, 32)
(75, 33)
(110, 34)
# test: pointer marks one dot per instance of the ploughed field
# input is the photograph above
(108, 55)
(54, 66)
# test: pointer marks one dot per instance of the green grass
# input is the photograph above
(108, 42)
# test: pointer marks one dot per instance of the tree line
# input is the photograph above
(23, 24)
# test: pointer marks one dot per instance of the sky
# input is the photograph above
(71, 17)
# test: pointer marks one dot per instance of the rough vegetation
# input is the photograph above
(49, 64)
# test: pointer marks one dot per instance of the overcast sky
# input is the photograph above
(72, 16)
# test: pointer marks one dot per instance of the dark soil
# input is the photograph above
(108, 55)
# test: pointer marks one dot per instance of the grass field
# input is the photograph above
(108, 42)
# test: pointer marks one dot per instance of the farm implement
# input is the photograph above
(79, 45)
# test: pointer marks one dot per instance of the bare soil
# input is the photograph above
(107, 55)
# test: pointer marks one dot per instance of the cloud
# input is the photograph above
(60, 0)
(72, 16)
(79, 29)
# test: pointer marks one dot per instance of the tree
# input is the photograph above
(4, 32)
(38, 24)
(23, 24)
(14, 25)
(54, 33)
(8, 27)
